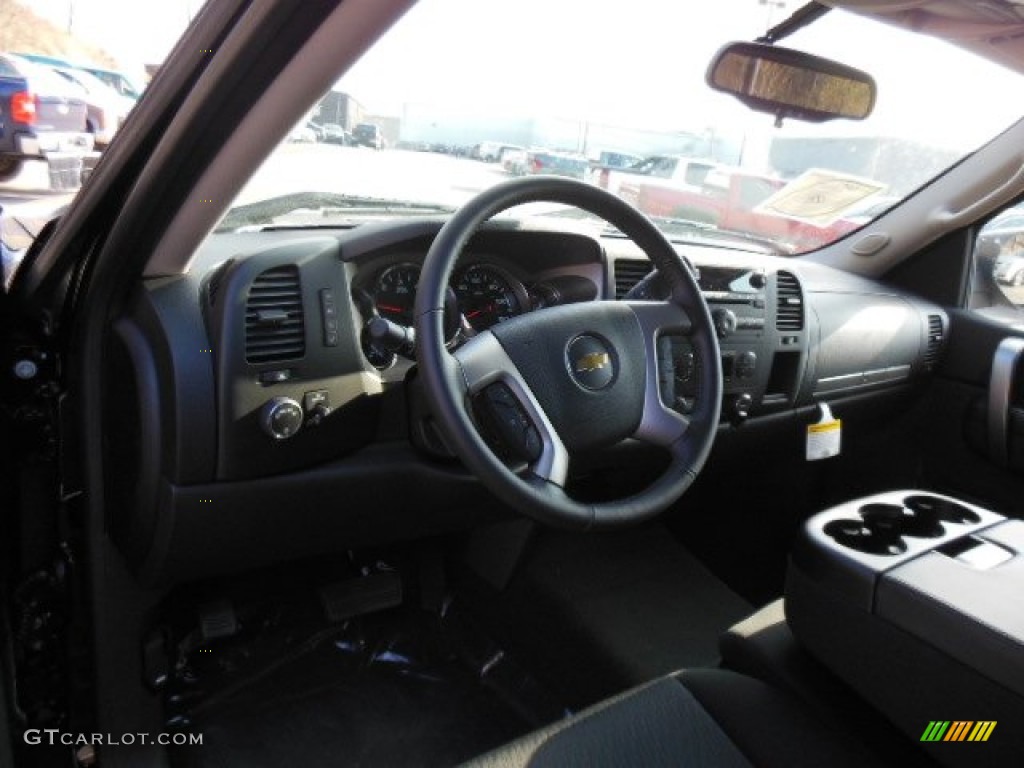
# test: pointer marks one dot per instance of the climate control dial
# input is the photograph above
(281, 418)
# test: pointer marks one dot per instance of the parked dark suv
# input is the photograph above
(42, 117)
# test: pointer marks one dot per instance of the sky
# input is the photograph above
(646, 64)
(640, 62)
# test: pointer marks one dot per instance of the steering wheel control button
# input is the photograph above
(281, 418)
(591, 362)
(505, 425)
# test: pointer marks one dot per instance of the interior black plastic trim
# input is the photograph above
(217, 528)
(137, 429)
(167, 313)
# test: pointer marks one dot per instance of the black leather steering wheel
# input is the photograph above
(581, 376)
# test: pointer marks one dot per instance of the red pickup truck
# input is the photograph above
(658, 170)
(728, 198)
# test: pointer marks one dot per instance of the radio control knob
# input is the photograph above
(281, 418)
(758, 280)
(725, 322)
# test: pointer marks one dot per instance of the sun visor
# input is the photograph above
(993, 30)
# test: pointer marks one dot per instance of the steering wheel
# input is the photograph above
(567, 378)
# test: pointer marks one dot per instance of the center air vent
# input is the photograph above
(935, 337)
(274, 322)
(629, 272)
(789, 315)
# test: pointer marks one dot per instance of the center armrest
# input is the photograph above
(916, 601)
(967, 610)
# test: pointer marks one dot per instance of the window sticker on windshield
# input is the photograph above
(825, 437)
(820, 197)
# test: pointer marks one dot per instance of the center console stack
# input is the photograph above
(916, 600)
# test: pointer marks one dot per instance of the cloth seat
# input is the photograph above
(695, 718)
(762, 646)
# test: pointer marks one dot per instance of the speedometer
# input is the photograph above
(487, 296)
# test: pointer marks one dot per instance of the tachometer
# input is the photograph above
(394, 292)
(487, 295)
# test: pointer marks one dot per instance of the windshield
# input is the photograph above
(461, 95)
(533, 87)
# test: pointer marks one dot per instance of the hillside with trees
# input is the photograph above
(23, 30)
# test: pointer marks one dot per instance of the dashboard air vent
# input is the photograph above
(629, 272)
(790, 304)
(274, 322)
(935, 338)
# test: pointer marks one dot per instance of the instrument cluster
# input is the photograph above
(481, 294)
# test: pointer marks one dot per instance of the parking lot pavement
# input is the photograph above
(386, 174)
(389, 174)
(34, 178)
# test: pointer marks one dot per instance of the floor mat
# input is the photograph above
(607, 611)
(404, 687)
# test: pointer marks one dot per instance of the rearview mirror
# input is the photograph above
(788, 83)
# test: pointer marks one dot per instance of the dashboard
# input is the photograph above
(258, 418)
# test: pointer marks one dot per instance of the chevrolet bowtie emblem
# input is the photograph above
(594, 361)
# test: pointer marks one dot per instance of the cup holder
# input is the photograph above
(921, 522)
(886, 518)
(882, 526)
(941, 509)
(874, 539)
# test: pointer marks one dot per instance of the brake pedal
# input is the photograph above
(368, 594)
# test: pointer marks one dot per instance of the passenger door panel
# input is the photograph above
(971, 421)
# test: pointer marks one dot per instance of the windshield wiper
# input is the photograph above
(668, 225)
(320, 207)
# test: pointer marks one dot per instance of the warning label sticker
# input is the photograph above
(824, 439)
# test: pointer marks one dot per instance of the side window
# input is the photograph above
(664, 167)
(696, 173)
(999, 254)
